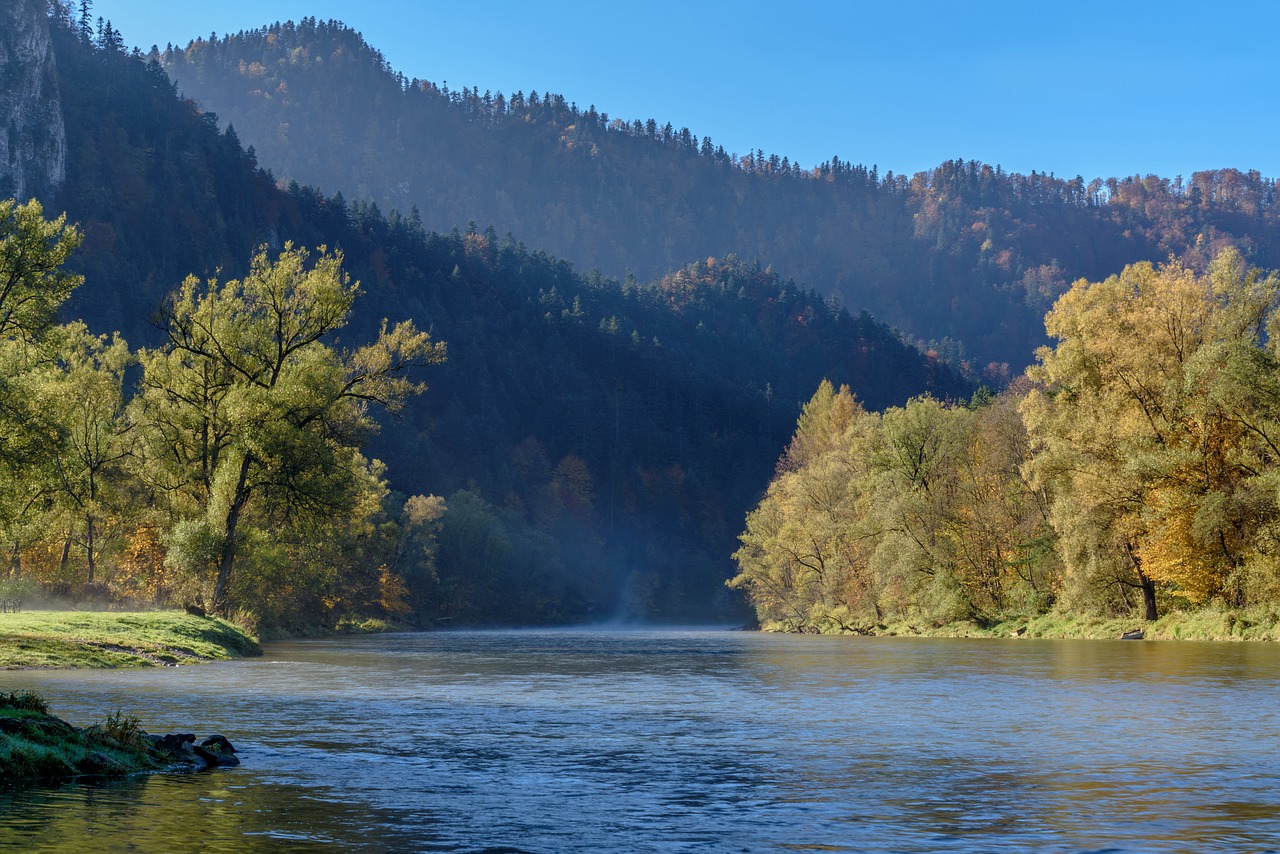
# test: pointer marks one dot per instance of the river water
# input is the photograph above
(668, 741)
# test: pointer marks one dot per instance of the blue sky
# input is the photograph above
(1089, 88)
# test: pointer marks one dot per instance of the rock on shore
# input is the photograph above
(37, 747)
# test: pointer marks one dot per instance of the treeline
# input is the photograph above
(593, 441)
(965, 258)
(221, 467)
(1134, 470)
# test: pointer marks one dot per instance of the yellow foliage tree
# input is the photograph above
(1138, 427)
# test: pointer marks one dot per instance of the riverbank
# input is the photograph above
(37, 747)
(79, 639)
(1210, 624)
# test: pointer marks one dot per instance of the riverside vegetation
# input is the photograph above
(1132, 472)
(37, 747)
(243, 422)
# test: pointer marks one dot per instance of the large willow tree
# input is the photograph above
(253, 418)
(1157, 430)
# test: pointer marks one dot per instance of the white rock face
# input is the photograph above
(33, 137)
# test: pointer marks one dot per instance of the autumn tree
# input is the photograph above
(802, 562)
(919, 513)
(251, 413)
(1152, 425)
(1004, 548)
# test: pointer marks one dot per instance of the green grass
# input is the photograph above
(80, 639)
(1209, 624)
(36, 747)
(367, 626)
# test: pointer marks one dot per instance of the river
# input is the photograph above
(670, 741)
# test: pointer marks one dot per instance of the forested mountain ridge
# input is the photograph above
(596, 441)
(964, 257)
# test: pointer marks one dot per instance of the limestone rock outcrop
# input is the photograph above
(33, 138)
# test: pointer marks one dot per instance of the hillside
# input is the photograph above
(601, 439)
(964, 257)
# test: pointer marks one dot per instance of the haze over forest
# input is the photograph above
(633, 318)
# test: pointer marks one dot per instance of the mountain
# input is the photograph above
(600, 439)
(966, 258)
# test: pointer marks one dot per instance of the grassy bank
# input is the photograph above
(104, 639)
(36, 747)
(1254, 624)
(1209, 624)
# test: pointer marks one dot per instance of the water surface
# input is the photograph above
(550, 741)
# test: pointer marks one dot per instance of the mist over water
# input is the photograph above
(688, 740)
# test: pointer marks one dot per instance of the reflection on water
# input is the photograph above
(553, 741)
(213, 812)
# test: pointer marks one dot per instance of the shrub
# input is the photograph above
(123, 729)
(24, 701)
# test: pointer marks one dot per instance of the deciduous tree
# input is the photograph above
(249, 406)
(1144, 431)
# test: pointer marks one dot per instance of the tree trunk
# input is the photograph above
(1148, 596)
(89, 545)
(227, 559)
(1147, 584)
(66, 555)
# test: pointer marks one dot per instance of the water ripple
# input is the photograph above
(577, 741)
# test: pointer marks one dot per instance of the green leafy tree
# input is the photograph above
(33, 285)
(248, 407)
(83, 395)
(414, 556)
(475, 553)
(33, 281)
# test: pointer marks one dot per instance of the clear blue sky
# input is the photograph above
(1089, 88)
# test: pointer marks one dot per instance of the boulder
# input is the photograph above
(219, 743)
(95, 763)
(209, 758)
(175, 742)
(216, 759)
(214, 752)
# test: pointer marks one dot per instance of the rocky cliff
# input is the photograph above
(33, 139)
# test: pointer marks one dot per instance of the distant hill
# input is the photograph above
(966, 258)
(614, 433)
